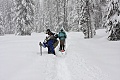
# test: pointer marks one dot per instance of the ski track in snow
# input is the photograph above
(57, 68)
(62, 69)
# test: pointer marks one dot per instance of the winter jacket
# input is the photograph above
(62, 35)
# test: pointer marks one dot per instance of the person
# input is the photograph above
(50, 42)
(62, 37)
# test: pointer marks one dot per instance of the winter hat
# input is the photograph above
(61, 30)
(48, 30)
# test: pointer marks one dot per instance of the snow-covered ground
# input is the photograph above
(85, 59)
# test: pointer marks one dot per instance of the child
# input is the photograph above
(62, 37)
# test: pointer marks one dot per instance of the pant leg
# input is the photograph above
(63, 47)
(60, 47)
(50, 44)
(45, 45)
(62, 44)
(49, 50)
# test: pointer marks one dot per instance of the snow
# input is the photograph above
(85, 59)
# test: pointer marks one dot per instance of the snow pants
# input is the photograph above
(50, 46)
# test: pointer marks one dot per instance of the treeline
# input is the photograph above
(22, 17)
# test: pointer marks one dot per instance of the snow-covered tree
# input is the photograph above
(53, 14)
(74, 17)
(24, 10)
(1, 25)
(5, 8)
(86, 21)
(65, 17)
(113, 20)
(38, 17)
(47, 13)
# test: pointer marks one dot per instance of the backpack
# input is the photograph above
(62, 35)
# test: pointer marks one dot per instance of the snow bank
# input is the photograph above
(85, 59)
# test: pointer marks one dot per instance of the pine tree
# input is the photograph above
(65, 20)
(86, 22)
(38, 17)
(1, 25)
(47, 7)
(24, 10)
(74, 8)
(53, 17)
(5, 8)
(113, 19)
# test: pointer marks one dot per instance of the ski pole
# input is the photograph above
(40, 48)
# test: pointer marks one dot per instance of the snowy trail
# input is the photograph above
(62, 69)
(85, 59)
(57, 69)
(63, 73)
